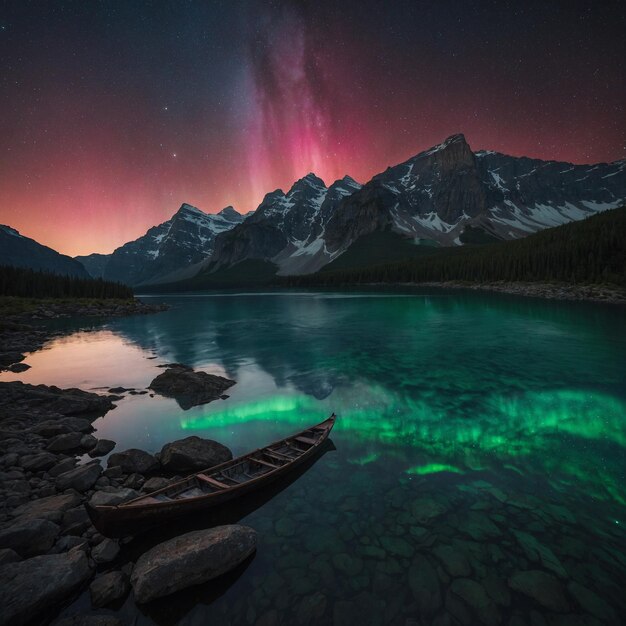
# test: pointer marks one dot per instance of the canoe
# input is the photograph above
(214, 486)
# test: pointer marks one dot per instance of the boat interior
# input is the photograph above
(238, 471)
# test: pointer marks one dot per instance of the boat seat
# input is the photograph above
(308, 440)
(277, 455)
(264, 463)
(234, 480)
(213, 482)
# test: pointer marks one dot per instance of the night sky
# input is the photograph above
(113, 113)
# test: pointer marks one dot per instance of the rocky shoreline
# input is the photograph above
(46, 534)
(50, 550)
(610, 294)
(22, 329)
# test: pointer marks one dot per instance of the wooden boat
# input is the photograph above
(214, 486)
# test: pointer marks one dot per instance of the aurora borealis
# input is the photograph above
(113, 114)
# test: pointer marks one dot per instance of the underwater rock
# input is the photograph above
(191, 559)
(541, 587)
(424, 585)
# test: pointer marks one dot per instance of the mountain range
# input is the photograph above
(20, 251)
(447, 195)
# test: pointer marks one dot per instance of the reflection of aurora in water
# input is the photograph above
(550, 431)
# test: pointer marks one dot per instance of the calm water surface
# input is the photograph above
(479, 462)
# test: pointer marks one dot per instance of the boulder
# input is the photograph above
(29, 537)
(62, 466)
(191, 559)
(63, 443)
(51, 428)
(50, 508)
(80, 478)
(134, 460)
(88, 442)
(155, 483)
(38, 462)
(103, 447)
(189, 388)
(106, 551)
(75, 521)
(110, 587)
(29, 589)
(193, 454)
(111, 498)
(8, 556)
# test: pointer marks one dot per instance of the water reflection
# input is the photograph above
(488, 419)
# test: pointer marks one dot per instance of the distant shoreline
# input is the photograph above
(550, 291)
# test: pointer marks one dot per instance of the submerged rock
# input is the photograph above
(190, 388)
(30, 588)
(541, 587)
(191, 559)
(134, 461)
(193, 453)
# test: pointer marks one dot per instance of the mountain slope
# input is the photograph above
(446, 195)
(19, 251)
(287, 229)
(589, 251)
(183, 240)
(94, 263)
(446, 190)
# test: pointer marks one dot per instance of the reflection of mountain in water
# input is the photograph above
(316, 342)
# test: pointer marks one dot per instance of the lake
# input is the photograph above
(477, 472)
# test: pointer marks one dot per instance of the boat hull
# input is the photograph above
(124, 520)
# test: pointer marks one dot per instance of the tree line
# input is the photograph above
(585, 252)
(28, 283)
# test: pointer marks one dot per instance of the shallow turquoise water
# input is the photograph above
(479, 437)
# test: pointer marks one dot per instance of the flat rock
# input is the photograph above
(30, 589)
(108, 588)
(591, 602)
(424, 585)
(38, 462)
(134, 460)
(62, 466)
(64, 443)
(80, 478)
(103, 447)
(191, 559)
(454, 560)
(475, 596)
(29, 537)
(17, 396)
(50, 508)
(155, 483)
(193, 454)
(537, 552)
(111, 498)
(541, 587)
(190, 388)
